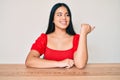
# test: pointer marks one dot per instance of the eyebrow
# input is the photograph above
(61, 13)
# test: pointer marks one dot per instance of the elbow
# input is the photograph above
(28, 63)
(79, 66)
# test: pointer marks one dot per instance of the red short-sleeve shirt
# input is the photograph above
(40, 45)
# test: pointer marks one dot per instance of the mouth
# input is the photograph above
(63, 22)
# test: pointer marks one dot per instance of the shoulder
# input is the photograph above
(42, 39)
(40, 43)
(42, 36)
(76, 41)
(76, 36)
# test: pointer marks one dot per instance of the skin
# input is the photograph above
(61, 21)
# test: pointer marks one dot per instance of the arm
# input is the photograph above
(34, 60)
(81, 55)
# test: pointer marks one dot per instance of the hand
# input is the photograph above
(86, 28)
(67, 63)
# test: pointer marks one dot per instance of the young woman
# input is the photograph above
(61, 46)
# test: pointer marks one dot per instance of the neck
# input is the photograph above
(60, 33)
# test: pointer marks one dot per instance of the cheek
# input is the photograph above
(55, 20)
(68, 20)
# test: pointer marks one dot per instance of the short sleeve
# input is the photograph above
(40, 44)
(76, 41)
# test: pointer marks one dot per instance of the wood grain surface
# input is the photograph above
(91, 72)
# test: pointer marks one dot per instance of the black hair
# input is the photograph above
(51, 26)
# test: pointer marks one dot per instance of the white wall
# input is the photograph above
(22, 21)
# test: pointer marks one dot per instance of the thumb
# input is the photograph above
(92, 28)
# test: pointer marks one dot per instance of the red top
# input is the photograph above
(41, 46)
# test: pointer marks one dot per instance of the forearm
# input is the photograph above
(41, 63)
(33, 60)
(81, 55)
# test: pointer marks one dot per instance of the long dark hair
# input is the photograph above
(51, 26)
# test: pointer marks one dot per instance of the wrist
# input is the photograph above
(83, 34)
(60, 64)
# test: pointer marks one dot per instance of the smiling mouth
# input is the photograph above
(63, 22)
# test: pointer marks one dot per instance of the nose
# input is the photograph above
(64, 17)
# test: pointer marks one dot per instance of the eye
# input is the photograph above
(67, 14)
(59, 14)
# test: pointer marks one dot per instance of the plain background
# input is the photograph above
(22, 21)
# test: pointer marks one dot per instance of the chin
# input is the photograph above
(63, 27)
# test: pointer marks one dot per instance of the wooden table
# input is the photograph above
(91, 72)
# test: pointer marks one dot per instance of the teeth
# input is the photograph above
(63, 22)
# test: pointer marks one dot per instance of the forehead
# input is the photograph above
(62, 9)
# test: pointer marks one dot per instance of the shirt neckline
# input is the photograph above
(61, 50)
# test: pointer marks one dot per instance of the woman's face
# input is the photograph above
(61, 18)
